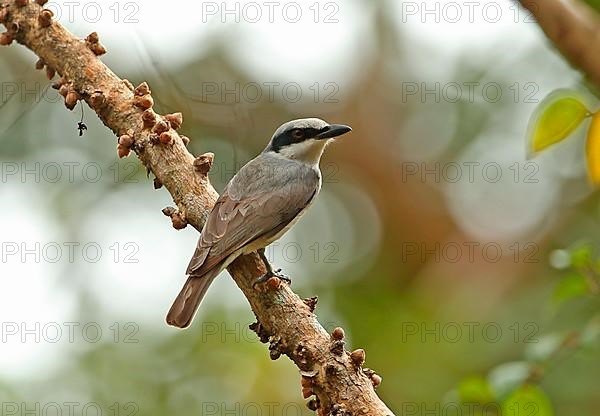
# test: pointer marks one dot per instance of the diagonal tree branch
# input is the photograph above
(333, 375)
(574, 27)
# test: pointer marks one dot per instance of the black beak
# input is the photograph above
(333, 130)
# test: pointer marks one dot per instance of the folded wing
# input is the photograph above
(261, 199)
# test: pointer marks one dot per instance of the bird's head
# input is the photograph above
(304, 139)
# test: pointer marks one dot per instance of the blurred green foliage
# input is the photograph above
(515, 387)
(594, 3)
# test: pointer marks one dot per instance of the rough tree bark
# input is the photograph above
(574, 27)
(329, 372)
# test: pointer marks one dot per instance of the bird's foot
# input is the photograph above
(277, 273)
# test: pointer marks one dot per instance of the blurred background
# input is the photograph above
(466, 271)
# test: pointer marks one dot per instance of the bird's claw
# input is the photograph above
(265, 277)
(282, 276)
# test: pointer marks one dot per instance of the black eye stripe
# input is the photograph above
(290, 137)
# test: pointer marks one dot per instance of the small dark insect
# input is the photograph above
(81, 127)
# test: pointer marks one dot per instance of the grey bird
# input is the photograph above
(264, 199)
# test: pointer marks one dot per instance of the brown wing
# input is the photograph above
(245, 212)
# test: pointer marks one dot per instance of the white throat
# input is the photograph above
(308, 151)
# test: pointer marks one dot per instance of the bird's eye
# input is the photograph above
(297, 134)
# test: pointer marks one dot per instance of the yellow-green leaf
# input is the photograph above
(582, 254)
(527, 400)
(555, 118)
(475, 390)
(592, 150)
(571, 287)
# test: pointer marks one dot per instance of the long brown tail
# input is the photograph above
(186, 304)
